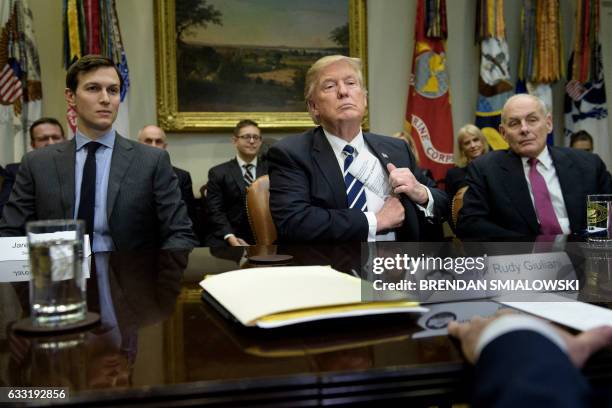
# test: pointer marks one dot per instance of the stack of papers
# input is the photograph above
(281, 296)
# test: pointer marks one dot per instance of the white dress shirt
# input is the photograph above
(546, 168)
(374, 201)
(509, 323)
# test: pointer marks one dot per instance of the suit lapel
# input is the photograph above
(323, 156)
(236, 173)
(568, 177)
(262, 168)
(65, 160)
(123, 154)
(516, 187)
(379, 151)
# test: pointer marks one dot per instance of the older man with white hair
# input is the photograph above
(337, 183)
(531, 188)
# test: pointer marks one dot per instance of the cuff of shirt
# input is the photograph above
(227, 236)
(372, 224)
(429, 210)
(506, 324)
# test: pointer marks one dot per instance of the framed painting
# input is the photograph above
(220, 61)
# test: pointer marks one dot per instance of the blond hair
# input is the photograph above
(469, 130)
(314, 72)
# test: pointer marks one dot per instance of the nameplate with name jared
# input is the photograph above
(16, 248)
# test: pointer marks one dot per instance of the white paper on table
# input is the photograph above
(559, 309)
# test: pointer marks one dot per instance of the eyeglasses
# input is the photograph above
(256, 138)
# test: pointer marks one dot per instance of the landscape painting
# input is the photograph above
(247, 58)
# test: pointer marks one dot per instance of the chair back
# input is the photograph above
(457, 204)
(258, 211)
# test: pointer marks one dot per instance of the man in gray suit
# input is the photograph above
(126, 192)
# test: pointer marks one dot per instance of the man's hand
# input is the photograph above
(391, 215)
(235, 241)
(579, 347)
(403, 181)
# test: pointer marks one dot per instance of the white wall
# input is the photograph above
(390, 38)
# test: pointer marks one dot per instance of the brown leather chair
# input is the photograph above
(457, 204)
(258, 211)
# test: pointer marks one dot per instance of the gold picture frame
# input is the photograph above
(172, 119)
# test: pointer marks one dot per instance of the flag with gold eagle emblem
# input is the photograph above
(428, 114)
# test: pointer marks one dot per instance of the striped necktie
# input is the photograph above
(355, 190)
(248, 176)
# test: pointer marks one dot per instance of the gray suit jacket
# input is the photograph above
(144, 205)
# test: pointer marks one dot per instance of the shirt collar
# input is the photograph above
(544, 159)
(242, 162)
(338, 144)
(108, 139)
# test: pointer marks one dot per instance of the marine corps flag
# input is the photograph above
(428, 114)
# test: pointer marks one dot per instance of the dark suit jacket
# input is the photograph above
(186, 186)
(497, 202)
(227, 201)
(144, 206)
(524, 369)
(308, 195)
(455, 179)
(9, 173)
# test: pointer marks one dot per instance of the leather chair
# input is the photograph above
(457, 204)
(258, 211)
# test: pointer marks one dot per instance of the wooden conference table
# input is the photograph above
(159, 344)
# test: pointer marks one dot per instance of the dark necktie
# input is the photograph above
(355, 190)
(88, 189)
(549, 225)
(248, 176)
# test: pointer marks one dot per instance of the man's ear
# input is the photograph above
(502, 132)
(549, 122)
(69, 96)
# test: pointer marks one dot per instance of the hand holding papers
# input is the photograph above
(281, 296)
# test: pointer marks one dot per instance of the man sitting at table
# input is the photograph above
(529, 189)
(126, 192)
(337, 183)
(523, 361)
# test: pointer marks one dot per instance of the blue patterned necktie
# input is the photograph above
(355, 190)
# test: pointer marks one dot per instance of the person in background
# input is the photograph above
(582, 140)
(523, 361)
(227, 184)
(472, 144)
(155, 136)
(43, 132)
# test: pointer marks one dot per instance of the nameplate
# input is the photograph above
(16, 248)
(19, 271)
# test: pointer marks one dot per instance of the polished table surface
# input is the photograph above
(159, 342)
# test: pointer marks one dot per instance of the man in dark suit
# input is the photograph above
(529, 189)
(336, 183)
(43, 132)
(155, 136)
(522, 361)
(226, 189)
(126, 192)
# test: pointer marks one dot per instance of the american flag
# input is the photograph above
(10, 85)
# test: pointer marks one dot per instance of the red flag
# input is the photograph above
(428, 115)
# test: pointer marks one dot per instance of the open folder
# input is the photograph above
(281, 296)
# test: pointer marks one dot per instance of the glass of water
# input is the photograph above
(599, 227)
(57, 287)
